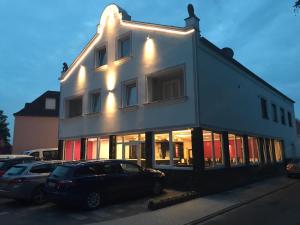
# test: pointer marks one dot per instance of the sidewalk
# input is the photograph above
(197, 210)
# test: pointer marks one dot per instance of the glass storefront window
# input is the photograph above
(119, 154)
(182, 148)
(236, 150)
(253, 150)
(91, 149)
(265, 151)
(104, 148)
(72, 150)
(213, 152)
(162, 149)
(278, 150)
(271, 150)
(68, 153)
(131, 137)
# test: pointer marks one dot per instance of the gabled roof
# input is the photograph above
(37, 107)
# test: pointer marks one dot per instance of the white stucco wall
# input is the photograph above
(230, 100)
(170, 50)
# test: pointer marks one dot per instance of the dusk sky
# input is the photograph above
(37, 36)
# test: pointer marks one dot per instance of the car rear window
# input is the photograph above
(16, 170)
(61, 171)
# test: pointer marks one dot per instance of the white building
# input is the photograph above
(166, 97)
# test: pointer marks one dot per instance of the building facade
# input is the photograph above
(36, 125)
(165, 97)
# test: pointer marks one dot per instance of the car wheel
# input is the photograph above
(93, 200)
(38, 197)
(157, 188)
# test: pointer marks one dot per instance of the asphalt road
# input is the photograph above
(279, 208)
(14, 213)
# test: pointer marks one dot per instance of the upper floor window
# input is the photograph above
(130, 93)
(95, 102)
(282, 116)
(290, 119)
(101, 57)
(124, 47)
(264, 108)
(274, 113)
(166, 85)
(74, 107)
(50, 103)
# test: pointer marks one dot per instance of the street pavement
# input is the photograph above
(280, 208)
(272, 201)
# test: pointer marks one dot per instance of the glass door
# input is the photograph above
(132, 152)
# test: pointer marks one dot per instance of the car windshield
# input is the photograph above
(16, 170)
(61, 171)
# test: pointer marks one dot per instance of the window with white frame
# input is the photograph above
(166, 85)
(101, 57)
(50, 103)
(124, 47)
(95, 102)
(130, 93)
(213, 150)
(74, 107)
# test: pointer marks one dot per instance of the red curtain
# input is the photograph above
(68, 150)
(77, 150)
(89, 151)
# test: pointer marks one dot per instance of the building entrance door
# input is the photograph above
(132, 152)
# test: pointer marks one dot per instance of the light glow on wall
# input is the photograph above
(81, 78)
(149, 54)
(111, 103)
(111, 79)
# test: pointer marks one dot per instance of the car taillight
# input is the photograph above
(63, 184)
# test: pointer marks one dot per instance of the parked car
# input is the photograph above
(91, 183)
(7, 161)
(26, 181)
(43, 153)
(293, 168)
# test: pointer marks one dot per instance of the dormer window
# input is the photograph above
(50, 104)
(101, 57)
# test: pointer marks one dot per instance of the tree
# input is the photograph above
(297, 4)
(4, 133)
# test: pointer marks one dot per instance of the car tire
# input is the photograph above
(38, 196)
(93, 200)
(157, 188)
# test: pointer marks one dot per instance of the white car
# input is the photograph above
(43, 153)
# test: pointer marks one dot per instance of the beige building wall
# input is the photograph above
(34, 132)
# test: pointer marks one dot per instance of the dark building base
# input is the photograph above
(217, 180)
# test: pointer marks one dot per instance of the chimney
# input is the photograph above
(192, 21)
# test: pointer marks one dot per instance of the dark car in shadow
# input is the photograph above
(293, 168)
(92, 183)
(8, 161)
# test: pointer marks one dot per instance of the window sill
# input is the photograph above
(93, 114)
(101, 68)
(122, 60)
(129, 108)
(165, 102)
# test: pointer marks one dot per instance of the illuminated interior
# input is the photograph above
(213, 152)
(278, 150)
(253, 145)
(236, 150)
(72, 150)
(97, 148)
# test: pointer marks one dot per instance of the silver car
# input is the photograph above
(25, 182)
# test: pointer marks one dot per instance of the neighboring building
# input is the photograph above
(298, 137)
(167, 98)
(36, 125)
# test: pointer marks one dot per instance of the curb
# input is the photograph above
(235, 206)
(162, 203)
